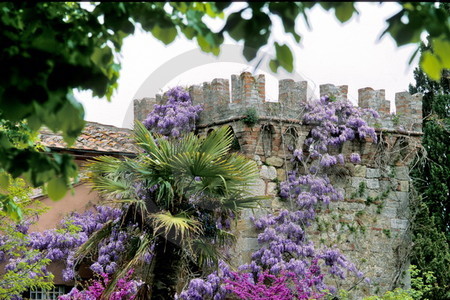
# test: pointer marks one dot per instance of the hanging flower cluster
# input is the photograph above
(175, 117)
(61, 244)
(286, 254)
(334, 123)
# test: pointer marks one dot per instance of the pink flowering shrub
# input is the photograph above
(125, 289)
(285, 286)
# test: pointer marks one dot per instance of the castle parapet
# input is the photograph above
(374, 99)
(223, 103)
(338, 92)
(142, 107)
(409, 111)
(291, 93)
(248, 88)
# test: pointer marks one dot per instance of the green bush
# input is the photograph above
(251, 117)
(397, 294)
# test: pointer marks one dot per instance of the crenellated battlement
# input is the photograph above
(222, 102)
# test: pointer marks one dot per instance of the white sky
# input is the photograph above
(330, 52)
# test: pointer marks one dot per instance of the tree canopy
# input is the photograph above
(431, 230)
(50, 49)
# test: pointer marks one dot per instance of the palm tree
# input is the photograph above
(178, 193)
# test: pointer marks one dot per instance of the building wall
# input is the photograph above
(81, 200)
(371, 225)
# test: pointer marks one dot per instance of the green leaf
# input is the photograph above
(273, 64)
(11, 208)
(46, 41)
(34, 123)
(102, 57)
(284, 56)
(211, 10)
(166, 35)
(71, 119)
(207, 47)
(249, 52)
(4, 141)
(344, 11)
(236, 26)
(441, 48)
(4, 180)
(188, 32)
(431, 65)
(56, 188)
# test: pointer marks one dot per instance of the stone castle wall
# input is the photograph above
(371, 225)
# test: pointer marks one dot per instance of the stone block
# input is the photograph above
(373, 173)
(250, 244)
(266, 203)
(373, 184)
(387, 185)
(275, 161)
(359, 171)
(257, 159)
(389, 212)
(402, 197)
(281, 174)
(402, 173)
(353, 206)
(356, 181)
(403, 186)
(277, 203)
(258, 188)
(268, 172)
(399, 224)
(373, 193)
(272, 188)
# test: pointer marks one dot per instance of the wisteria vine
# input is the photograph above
(176, 116)
(61, 244)
(286, 253)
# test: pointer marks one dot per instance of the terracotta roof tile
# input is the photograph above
(95, 136)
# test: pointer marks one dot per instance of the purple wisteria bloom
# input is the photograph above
(355, 158)
(175, 117)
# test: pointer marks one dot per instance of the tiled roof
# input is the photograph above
(95, 137)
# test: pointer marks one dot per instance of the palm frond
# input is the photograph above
(218, 142)
(224, 237)
(165, 193)
(238, 203)
(104, 165)
(179, 225)
(243, 169)
(116, 188)
(187, 143)
(90, 246)
(199, 164)
(135, 262)
(144, 138)
(111, 177)
(206, 253)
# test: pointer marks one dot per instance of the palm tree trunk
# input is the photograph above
(167, 262)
